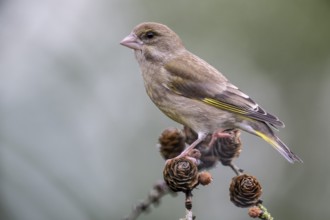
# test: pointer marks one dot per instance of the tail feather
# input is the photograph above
(280, 147)
(262, 130)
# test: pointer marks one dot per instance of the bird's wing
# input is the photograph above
(198, 80)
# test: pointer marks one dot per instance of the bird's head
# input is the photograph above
(153, 41)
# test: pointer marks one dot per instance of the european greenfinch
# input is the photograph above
(193, 93)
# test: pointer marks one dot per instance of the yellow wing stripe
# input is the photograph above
(224, 106)
(267, 139)
(272, 142)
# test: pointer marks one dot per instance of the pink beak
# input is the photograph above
(132, 41)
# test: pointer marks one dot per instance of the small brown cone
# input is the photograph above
(172, 143)
(223, 150)
(245, 191)
(181, 174)
(191, 135)
(205, 178)
(227, 149)
(207, 158)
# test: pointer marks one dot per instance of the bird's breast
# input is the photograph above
(193, 113)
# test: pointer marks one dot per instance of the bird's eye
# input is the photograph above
(150, 34)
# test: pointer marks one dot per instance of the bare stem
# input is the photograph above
(265, 215)
(188, 205)
(238, 171)
(156, 193)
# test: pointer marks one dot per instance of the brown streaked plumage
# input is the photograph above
(192, 92)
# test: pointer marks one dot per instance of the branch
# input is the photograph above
(159, 190)
(182, 173)
(188, 204)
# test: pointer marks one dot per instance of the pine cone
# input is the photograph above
(181, 174)
(172, 143)
(223, 150)
(207, 159)
(245, 190)
(191, 135)
(227, 149)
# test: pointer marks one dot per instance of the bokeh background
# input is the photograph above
(78, 134)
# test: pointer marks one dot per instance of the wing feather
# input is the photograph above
(198, 80)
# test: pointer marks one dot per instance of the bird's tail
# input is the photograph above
(262, 130)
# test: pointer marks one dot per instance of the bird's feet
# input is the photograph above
(188, 150)
(218, 134)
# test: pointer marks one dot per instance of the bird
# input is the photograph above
(195, 94)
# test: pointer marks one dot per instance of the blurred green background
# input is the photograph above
(78, 133)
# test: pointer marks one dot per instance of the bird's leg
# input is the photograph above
(186, 152)
(218, 134)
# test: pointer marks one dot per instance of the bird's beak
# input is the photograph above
(132, 41)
